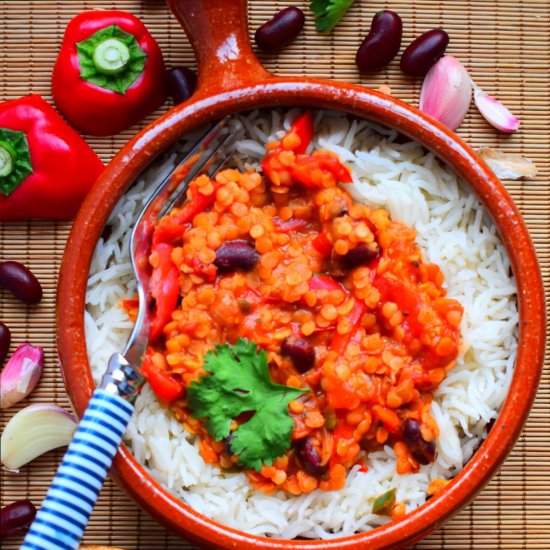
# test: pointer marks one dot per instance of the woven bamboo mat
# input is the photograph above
(506, 46)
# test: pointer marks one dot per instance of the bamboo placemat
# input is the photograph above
(506, 46)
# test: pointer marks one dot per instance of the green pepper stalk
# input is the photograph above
(15, 159)
(109, 74)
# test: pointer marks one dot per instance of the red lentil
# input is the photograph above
(384, 335)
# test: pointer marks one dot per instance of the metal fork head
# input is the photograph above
(206, 155)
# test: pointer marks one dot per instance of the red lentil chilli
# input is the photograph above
(336, 293)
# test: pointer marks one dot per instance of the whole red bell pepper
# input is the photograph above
(46, 168)
(109, 74)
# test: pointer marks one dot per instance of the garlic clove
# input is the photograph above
(446, 92)
(33, 431)
(506, 166)
(494, 112)
(21, 374)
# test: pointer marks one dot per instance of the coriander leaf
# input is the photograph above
(329, 12)
(239, 382)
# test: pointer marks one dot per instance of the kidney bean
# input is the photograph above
(310, 458)
(236, 256)
(227, 445)
(300, 351)
(279, 31)
(422, 450)
(423, 52)
(5, 341)
(360, 255)
(382, 43)
(21, 282)
(15, 518)
(181, 84)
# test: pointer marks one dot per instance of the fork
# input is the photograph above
(64, 513)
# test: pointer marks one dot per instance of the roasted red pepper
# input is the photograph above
(307, 170)
(340, 341)
(164, 385)
(165, 288)
(303, 129)
(109, 74)
(46, 168)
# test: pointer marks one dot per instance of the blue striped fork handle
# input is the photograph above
(64, 513)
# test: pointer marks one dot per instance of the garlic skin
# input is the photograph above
(507, 166)
(21, 374)
(33, 431)
(494, 112)
(446, 92)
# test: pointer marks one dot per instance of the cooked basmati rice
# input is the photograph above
(453, 231)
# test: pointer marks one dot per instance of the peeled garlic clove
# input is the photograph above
(33, 431)
(21, 374)
(506, 166)
(446, 92)
(494, 112)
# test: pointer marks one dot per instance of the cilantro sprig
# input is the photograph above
(239, 382)
(329, 12)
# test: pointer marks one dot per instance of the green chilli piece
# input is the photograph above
(111, 58)
(384, 503)
(15, 160)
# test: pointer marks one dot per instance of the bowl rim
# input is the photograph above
(363, 103)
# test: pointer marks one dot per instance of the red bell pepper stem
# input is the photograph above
(303, 128)
(322, 244)
(51, 167)
(165, 289)
(109, 74)
(340, 341)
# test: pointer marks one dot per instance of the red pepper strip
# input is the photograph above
(109, 74)
(306, 166)
(322, 244)
(406, 298)
(165, 386)
(173, 227)
(63, 168)
(388, 417)
(165, 289)
(324, 282)
(340, 341)
(303, 128)
(289, 225)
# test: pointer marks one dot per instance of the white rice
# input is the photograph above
(453, 231)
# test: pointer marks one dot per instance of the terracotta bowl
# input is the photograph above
(232, 80)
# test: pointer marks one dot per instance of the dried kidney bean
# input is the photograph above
(15, 518)
(5, 341)
(279, 31)
(360, 255)
(310, 458)
(300, 351)
(20, 281)
(236, 256)
(382, 43)
(422, 450)
(423, 52)
(181, 84)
